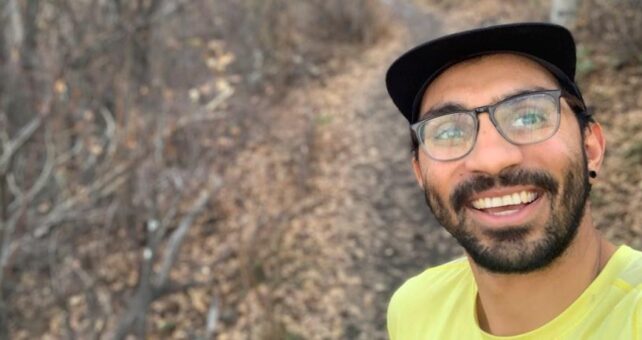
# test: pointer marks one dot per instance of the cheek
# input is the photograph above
(441, 177)
(569, 133)
(556, 153)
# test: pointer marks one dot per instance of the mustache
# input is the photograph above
(507, 177)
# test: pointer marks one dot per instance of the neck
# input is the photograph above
(509, 304)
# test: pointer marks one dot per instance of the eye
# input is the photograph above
(448, 132)
(529, 118)
(444, 134)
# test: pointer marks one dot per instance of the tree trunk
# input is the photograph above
(564, 12)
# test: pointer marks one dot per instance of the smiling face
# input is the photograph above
(514, 208)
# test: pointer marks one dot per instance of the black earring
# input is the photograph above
(592, 173)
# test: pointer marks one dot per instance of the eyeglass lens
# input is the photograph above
(521, 120)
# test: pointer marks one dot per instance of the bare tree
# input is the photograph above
(153, 285)
(87, 115)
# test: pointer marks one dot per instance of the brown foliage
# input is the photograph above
(118, 121)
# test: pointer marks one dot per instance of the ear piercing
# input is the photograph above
(592, 173)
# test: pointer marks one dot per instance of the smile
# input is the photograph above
(505, 204)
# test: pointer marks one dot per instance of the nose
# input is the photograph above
(492, 153)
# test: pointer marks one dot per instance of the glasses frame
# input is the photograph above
(490, 109)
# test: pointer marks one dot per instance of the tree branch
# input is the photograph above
(10, 149)
(176, 240)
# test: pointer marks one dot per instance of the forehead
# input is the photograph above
(481, 80)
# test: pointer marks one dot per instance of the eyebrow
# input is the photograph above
(452, 107)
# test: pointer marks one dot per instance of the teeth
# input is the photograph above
(523, 196)
(512, 199)
(502, 213)
(507, 200)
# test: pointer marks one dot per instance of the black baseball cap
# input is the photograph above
(550, 45)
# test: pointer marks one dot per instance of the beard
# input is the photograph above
(508, 250)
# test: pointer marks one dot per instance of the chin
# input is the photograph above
(514, 250)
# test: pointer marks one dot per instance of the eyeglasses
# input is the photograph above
(522, 119)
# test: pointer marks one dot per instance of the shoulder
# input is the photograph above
(429, 294)
(624, 317)
(631, 279)
(432, 281)
(631, 273)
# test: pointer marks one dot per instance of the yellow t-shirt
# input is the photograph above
(440, 304)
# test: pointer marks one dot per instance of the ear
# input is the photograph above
(594, 146)
(416, 168)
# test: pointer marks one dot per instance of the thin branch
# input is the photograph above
(110, 131)
(14, 189)
(139, 303)
(4, 133)
(173, 207)
(7, 239)
(20, 205)
(206, 113)
(41, 181)
(45, 174)
(103, 186)
(176, 239)
(10, 149)
(212, 318)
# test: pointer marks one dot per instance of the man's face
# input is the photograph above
(548, 180)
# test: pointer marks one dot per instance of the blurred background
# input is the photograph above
(233, 169)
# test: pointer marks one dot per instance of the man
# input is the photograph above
(506, 153)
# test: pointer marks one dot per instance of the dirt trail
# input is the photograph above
(402, 234)
(375, 227)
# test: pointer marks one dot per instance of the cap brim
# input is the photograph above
(407, 76)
